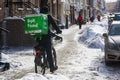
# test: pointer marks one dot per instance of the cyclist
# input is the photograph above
(46, 39)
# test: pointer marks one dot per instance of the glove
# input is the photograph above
(59, 32)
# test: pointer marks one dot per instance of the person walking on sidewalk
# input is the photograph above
(92, 18)
(80, 20)
(98, 17)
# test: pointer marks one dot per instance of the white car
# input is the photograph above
(112, 43)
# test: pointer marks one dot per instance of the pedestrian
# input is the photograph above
(98, 17)
(66, 25)
(46, 39)
(92, 18)
(80, 20)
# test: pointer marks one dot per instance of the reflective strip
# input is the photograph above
(33, 31)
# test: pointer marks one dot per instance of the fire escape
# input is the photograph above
(20, 8)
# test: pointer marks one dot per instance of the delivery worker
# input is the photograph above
(46, 39)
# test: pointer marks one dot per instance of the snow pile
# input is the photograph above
(2, 78)
(5, 58)
(91, 36)
(21, 63)
(33, 76)
(103, 23)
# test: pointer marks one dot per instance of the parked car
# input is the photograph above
(112, 43)
(112, 16)
(117, 16)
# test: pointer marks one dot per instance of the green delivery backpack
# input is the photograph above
(36, 25)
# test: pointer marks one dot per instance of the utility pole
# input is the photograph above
(57, 11)
(119, 6)
(4, 39)
(6, 8)
(52, 7)
(84, 6)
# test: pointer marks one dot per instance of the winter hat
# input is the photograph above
(44, 9)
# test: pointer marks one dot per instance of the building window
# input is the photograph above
(19, 5)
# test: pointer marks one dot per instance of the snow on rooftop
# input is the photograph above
(14, 17)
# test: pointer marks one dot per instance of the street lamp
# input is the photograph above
(67, 12)
(6, 8)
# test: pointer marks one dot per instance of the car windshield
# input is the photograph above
(115, 29)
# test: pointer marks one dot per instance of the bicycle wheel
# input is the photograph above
(40, 65)
(54, 56)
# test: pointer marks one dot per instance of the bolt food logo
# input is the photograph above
(36, 24)
(32, 23)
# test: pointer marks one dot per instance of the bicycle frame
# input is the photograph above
(40, 59)
(41, 56)
(38, 55)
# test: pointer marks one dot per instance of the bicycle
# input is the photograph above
(41, 62)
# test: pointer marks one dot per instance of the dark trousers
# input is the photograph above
(46, 42)
(80, 25)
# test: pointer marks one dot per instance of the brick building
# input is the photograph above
(18, 7)
(11, 17)
(12, 14)
(62, 10)
(111, 7)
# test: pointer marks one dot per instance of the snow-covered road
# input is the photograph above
(75, 60)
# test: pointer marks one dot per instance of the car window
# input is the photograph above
(115, 29)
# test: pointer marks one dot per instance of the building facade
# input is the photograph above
(19, 8)
(16, 10)
(63, 11)
(113, 7)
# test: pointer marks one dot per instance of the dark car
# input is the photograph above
(112, 43)
(117, 16)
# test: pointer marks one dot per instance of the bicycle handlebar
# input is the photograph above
(53, 34)
(56, 36)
